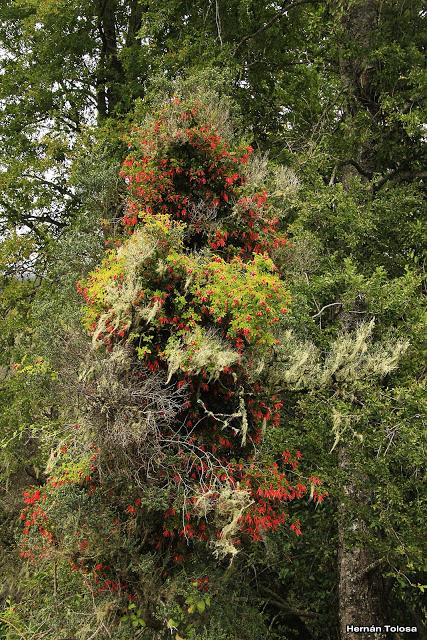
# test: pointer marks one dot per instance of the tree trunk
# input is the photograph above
(361, 592)
(110, 69)
(359, 25)
(137, 9)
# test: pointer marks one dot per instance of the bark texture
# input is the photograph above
(361, 589)
(359, 26)
(110, 69)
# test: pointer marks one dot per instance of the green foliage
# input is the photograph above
(249, 294)
(335, 91)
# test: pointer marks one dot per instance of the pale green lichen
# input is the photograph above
(352, 356)
(227, 506)
(355, 357)
(199, 350)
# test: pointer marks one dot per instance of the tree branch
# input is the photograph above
(277, 16)
(43, 218)
(327, 306)
(62, 190)
(218, 21)
(371, 567)
(356, 165)
(400, 175)
(282, 604)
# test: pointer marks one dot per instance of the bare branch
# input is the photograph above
(400, 175)
(218, 21)
(283, 604)
(327, 306)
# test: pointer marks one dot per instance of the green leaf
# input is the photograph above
(201, 606)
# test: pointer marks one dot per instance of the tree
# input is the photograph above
(165, 456)
(335, 93)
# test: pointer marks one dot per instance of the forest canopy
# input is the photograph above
(212, 320)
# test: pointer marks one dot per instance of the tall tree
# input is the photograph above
(335, 91)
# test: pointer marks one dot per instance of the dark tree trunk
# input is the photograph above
(359, 25)
(137, 9)
(361, 589)
(110, 69)
(101, 98)
(361, 592)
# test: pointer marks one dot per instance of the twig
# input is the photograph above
(55, 579)
(218, 21)
(10, 624)
(280, 602)
(327, 306)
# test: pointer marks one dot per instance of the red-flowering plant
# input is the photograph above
(196, 293)
(179, 163)
(191, 300)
